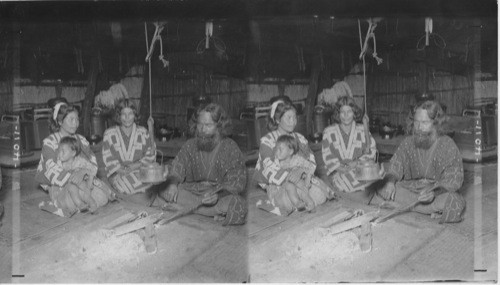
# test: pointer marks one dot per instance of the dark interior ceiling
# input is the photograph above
(266, 29)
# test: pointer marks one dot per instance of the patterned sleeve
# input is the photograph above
(305, 149)
(450, 160)
(181, 163)
(399, 160)
(268, 167)
(111, 162)
(233, 162)
(332, 162)
(87, 151)
(49, 171)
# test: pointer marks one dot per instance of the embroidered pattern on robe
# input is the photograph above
(119, 151)
(338, 146)
(226, 168)
(446, 167)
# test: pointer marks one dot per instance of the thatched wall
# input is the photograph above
(38, 94)
(5, 96)
(261, 93)
(173, 96)
(393, 95)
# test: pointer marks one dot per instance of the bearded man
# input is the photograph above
(427, 167)
(209, 169)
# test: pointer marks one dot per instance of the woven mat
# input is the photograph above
(448, 257)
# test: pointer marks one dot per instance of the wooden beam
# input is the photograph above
(91, 84)
(312, 92)
(89, 94)
(352, 223)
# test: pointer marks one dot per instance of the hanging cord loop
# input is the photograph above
(437, 39)
(156, 37)
(372, 24)
(150, 48)
(362, 57)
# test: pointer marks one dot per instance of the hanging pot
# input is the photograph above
(152, 172)
(367, 170)
(165, 133)
(424, 97)
(199, 100)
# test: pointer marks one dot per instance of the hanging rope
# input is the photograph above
(146, 33)
(151, 132)
(362, 56)
(372, 24)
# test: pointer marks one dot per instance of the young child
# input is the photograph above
(286, 151)
(68, 154)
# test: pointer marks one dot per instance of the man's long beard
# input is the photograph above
(424, 140)
(206, 142)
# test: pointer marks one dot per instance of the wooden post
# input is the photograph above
(312, 93)
(59, 88)
(89, 94)
(281, 88)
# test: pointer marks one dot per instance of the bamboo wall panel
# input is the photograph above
(173, 96)
(39, 95)
(454, 91)
(393, 95)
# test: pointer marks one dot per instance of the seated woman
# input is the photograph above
(51, 173)
(344, 144)
(282, 120)
(125, 147)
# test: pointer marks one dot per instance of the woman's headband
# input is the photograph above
(56, 110)
(273, 108)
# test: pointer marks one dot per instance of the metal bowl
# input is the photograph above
(367, 170)
(152, 173)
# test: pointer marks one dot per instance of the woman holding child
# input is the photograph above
(71, 189)
(289, 185)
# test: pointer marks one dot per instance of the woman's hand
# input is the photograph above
(124, 170)
(346, 166)
(134, 166)
(388, 191)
